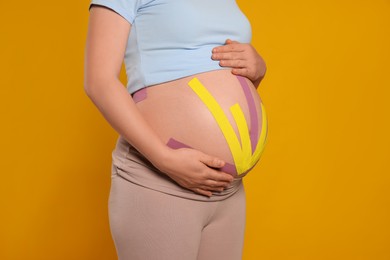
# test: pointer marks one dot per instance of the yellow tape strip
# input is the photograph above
(246, 147)
(221, 119)
(242, 154)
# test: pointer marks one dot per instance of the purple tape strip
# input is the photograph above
(254, 131)
(228, 168)
(140, 95)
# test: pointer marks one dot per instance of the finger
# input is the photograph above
(227, 56)
(234, 47)
(229, 41)
(211, 161)
(219, 176)
(242, 72)
(240, 64)
(217, 184)
(203, 192)
(212, 189)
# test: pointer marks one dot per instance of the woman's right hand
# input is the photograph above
(193, 170)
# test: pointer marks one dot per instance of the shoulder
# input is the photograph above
(126, 8)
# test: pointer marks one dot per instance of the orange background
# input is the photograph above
(320, 191)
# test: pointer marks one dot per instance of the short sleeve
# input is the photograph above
(125, 8)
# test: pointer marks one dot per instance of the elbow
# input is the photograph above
(97, 79)
(89, 85)
(88, 90)
(93, 84)
(93, 79)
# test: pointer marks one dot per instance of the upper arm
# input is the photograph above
(107, 36)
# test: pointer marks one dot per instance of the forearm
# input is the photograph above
(106, 43)
(119, 109)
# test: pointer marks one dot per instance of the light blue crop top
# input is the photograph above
(171, 39)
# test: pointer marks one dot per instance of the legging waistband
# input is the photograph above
(134, 167)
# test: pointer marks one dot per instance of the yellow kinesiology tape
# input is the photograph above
(242, 153)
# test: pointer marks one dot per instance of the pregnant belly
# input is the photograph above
(214, 112)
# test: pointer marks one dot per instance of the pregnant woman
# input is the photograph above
(190, 120)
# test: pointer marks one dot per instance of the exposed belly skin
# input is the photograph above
(197, 111)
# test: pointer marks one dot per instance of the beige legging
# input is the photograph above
(151, 225)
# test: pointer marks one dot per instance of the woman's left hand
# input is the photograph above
(242, 58)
